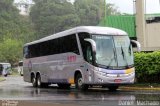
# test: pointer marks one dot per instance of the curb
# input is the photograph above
(140, 88)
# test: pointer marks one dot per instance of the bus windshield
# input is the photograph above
(114, 52)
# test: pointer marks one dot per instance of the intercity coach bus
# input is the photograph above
(86, 56)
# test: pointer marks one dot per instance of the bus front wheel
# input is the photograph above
(79, 83)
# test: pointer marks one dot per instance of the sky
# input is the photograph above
(126, 6)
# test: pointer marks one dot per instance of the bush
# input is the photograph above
(147, 67)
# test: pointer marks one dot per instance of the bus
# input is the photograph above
(5, 69)
(86, 56)
(20, 68)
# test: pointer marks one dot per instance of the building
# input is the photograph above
(24, 6)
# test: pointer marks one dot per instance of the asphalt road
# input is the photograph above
(15, 91)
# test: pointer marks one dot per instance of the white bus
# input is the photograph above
(84, 56)
(5, 69)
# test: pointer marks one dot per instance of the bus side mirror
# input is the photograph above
(93, 44)
(136, 44)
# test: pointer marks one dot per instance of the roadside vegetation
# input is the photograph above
(147, 67)
(1, 79)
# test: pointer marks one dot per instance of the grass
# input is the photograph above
(14, 72)
(1, 79)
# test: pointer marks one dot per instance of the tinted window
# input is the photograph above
(26, 52)
(56, 46)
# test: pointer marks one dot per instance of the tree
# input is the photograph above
(89, 11)
(15, 30)
(12, 24)
(10, 50)
(92, 11)
(51, 16)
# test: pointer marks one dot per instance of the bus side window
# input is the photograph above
(26, 52)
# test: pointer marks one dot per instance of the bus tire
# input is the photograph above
(79, 83)
(21, 73)
(40, 84)
(5, 75)
(113, 88)
(33, 80)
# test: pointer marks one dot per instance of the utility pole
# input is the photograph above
(141, 23)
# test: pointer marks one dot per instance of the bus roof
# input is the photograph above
(89, 29)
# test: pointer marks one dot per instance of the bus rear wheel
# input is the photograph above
(33, 80)
(40, 84)
(79, 83)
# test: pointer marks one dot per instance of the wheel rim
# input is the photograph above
(79, 82)
(33, 81)
(39, 82)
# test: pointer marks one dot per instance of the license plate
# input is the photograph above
(117, 80)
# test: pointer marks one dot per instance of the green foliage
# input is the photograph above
(15, 30)
(51, 16)
(88, 12)
(147, 65)
(92, 11)
(10, 51)
(13, 25)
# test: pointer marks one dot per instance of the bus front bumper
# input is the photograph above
(120, 79)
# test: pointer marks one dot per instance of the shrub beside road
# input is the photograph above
(147, 67)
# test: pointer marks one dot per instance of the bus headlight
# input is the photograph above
(128, 71)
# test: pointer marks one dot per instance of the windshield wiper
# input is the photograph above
(122, 52)
(113, 58)
(129, 49)
(124, 56)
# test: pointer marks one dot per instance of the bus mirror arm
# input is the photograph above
(93, 44)
(137, 44)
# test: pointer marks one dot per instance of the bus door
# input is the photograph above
(89, 68)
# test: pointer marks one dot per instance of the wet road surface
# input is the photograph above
(14, 88)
